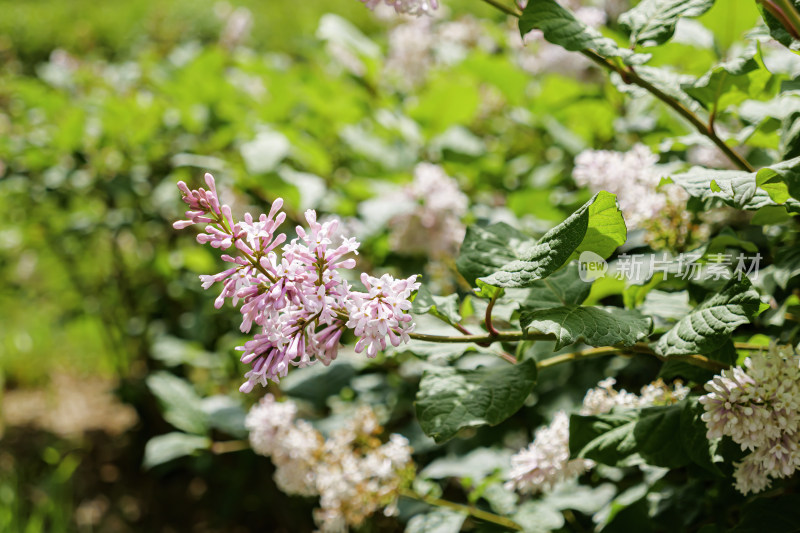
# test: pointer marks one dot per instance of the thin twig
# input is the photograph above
(630, 76)
(228, 446)
(471, 511)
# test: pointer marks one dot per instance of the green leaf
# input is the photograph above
(485, 249)
(693, 437)
(438, 521)
(560, 27)
(564, 287)
(770, 215)
(226, 415)
(786, 173)
(164, 448)
(476, 464)
(442, 307)
(596, 326)
(450, 399)
(669, 306)
(596, 227)
(787, 265)
(181, 404)
(710, 324)
(653, 22)
(746, 190)
(776, 27)
(634, 295)
(622, 437)
(790, 136)
(538, 517)
(487, 291)
(730, 83)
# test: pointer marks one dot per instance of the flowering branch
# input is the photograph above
(638, 348)
(472, 511)
(629, 76)
(295, 294)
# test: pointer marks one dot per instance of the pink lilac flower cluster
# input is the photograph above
(298, 300)
(758, 406)
(406, 7)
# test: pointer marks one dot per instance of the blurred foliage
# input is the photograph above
(104, 107)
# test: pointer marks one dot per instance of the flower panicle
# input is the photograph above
(292, 295)
(758, 406)
(353, 472)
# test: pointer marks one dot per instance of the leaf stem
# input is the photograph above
(488, 320)
(471, 511)
(502, 336)
(630, 76)
(228, 446)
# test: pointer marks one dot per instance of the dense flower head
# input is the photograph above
(758, 406)
(294, 294)
(546, 461)
(633, 176)
(433, 225)
(353, 472)
(381, 312)
(417, 45)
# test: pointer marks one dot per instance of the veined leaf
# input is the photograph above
(711, 323)
(450, 399)
(652, 22)
(442, 307)
(564, 287)
(770, 186)
(776, 27)
(596, 326)
(560, 27)
(485, 249)
(597, 226)
(627, 436)
(781, 181)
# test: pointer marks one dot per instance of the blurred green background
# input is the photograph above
(105, 106)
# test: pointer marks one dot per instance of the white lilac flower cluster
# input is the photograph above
(406, 7)
(352, 472)
(415, 46)
(433, 224)
(758, 406)
(299, 301)
(545, 462)
(634, 177)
